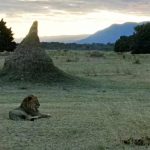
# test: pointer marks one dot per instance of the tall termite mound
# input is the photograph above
(30, 62)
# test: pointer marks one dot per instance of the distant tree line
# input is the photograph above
(138, 43)
(6, 38)
(74, 46)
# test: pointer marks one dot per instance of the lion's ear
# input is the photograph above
(30, 97)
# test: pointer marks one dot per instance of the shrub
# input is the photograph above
(96, 54)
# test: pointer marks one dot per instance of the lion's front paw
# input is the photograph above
(33, 118)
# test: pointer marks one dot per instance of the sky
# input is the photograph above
(71, 17)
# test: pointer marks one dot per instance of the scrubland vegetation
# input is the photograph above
(109, 104)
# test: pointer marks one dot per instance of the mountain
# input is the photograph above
(110, 34)
(61, 38)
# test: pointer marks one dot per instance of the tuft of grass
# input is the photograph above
(96, 54)
(75, 59)
(90, 72)
(137, 61)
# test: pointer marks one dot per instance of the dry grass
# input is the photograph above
(97, 114)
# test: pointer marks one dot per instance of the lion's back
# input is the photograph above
(17, 114)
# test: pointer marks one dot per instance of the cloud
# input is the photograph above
(12, 7)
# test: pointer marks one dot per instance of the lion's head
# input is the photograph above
(30, 105)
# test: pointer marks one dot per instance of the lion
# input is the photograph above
(28, 110)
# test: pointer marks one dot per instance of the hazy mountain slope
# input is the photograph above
(110, 34)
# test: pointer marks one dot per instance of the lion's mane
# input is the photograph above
(30, 105)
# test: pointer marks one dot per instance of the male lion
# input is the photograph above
(28, 110)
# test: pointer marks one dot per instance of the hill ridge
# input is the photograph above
(111, 33)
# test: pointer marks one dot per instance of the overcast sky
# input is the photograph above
(71, 17)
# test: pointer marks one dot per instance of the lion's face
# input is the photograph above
(33, 101)
(30, 104)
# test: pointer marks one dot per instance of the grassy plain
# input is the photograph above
(111, 104)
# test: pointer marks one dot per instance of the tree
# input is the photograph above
(138, 43)
(142, 39)
(124, 44)
(6, 38)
